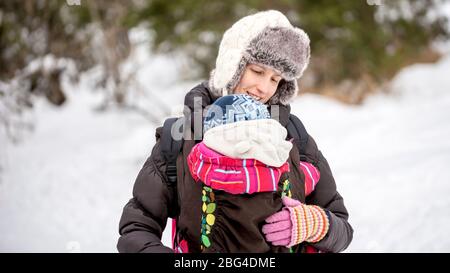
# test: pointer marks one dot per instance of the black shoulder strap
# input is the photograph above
(170, 148)
(297, 130)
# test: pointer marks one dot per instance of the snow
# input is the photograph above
(62, 189)
(390, 159)
(66, 181)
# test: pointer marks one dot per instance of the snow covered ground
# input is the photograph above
(63, 188)
(390, 158)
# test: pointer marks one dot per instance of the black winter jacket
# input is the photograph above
(145, 216)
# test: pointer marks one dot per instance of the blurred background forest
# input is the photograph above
(357, 46)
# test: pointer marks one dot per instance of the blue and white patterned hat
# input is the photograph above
(232, 108)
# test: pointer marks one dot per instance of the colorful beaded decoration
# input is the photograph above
(286, 189)
(287, 192)
(208, 218)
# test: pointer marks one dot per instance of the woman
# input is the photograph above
(261, 55)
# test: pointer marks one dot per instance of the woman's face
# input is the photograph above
(259, 82)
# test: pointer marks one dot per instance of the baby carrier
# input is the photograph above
(170, 148)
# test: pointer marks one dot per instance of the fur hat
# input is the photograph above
(266, 38)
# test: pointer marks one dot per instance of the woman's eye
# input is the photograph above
(258, 72)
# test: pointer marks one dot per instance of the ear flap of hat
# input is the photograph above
(286, 92)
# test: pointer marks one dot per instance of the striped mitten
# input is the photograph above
(307, 223)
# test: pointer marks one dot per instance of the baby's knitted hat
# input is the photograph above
(231, 108)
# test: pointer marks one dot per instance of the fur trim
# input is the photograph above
(265, 38)
(215, 92)
(263, 140)
(286, 92)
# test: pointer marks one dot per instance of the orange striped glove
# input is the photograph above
(307, 223)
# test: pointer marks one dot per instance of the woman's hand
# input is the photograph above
(278, 231)
(296, 223)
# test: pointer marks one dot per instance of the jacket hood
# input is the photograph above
(263, 140)
(233, 175)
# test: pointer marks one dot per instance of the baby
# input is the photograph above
(243, 165)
